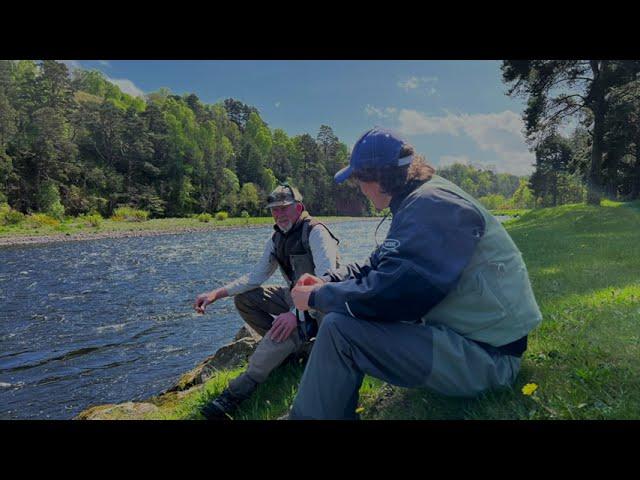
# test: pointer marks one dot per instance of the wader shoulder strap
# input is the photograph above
(276, 239)
(306, 231)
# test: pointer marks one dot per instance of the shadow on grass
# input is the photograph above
(273, 398)
(593, 400)
(420, 404)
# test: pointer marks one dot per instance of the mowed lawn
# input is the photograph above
(584, 359)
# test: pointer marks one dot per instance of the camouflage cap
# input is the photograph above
(283, 195)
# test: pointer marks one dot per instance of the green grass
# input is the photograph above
(271, 400)
(584, 265)
(76, 225)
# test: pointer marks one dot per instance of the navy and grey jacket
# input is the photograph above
(432, 237)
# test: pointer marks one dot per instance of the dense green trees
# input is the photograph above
(479, 182)
(76, 143)
(494, 190)
(553, 156)
(600, 96)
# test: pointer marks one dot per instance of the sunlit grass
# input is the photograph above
(584, 264)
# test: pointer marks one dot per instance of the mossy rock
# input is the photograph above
(227, 357)
(121, 411)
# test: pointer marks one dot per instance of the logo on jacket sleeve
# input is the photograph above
(390, 245)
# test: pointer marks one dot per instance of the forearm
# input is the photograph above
(243, 284)
(265, 267)
(433, 243)
(400, 295)
(219, 293)
(347, 272)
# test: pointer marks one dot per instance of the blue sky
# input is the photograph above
(449, 110)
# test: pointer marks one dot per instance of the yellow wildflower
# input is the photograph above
(529, 388)
(359, 409)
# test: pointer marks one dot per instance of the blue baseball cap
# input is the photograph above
(377, 148)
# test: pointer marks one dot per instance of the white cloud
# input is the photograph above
(371, 110)
(379, 112)
(104, 62)
(424, 83)
(500, 133)
(409, 84)
(277, 104)
(413, 122)
(127, 86)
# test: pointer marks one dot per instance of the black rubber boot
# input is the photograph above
(222, 407)
(225, 405)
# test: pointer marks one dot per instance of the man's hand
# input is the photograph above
(207, 298)
(300, 296)
(308, 280)
(283, 325)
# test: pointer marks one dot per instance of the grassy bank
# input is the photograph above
(584, 264)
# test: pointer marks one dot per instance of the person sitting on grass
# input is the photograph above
(444, 303)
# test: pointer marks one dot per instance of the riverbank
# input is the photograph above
(510, 213)
(582, 362)
(76, 229)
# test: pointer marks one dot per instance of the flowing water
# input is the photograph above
(107, 321)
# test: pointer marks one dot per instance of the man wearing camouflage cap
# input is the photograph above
(296, 247)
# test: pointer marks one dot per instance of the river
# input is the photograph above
(106, 321)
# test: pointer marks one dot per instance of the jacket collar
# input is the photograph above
(404, 193)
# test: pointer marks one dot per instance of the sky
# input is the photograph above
(451, 111)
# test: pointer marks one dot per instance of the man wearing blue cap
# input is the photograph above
(445, 302)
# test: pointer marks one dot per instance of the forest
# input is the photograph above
(72, 143)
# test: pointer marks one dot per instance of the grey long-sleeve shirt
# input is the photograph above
(324, 250)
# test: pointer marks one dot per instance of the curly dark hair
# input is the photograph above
(393, 180)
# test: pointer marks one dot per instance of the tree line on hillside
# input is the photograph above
(73, 143)
(77, 142)
(494, 190)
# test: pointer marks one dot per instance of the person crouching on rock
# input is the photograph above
(299, 245)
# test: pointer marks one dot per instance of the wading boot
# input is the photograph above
(225, 405)
(222, 407)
